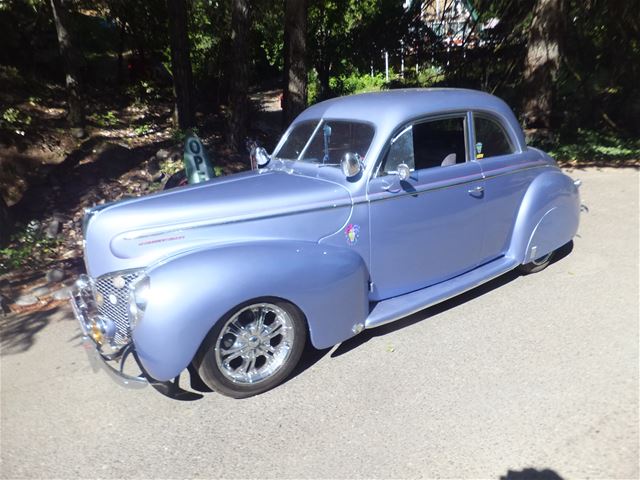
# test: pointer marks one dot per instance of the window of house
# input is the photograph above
(491, 139)
(436, 143)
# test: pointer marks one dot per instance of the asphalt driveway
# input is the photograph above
(537, 372)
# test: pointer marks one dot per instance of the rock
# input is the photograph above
(53, 228)
(157, 177)
(41, 291)
(4, 305)
(162, 154)
(26, 300)
(78, 132)
(153, 166)
(62, 294)
(55, 275)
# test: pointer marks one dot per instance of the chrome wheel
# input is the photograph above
(254, 343)
(537, 265)
(542, 260)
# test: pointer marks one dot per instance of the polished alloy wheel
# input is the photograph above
(542, 260)
(254, 343)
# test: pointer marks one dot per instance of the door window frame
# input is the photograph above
(469, 137)
(506, 129)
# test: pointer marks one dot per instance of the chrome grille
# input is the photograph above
(114, 303)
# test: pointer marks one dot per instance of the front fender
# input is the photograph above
(548, 217)
(191, 292)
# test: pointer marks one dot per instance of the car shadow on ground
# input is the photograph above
(311, 355)
(452, 303)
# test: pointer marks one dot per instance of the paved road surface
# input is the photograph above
(533, 372)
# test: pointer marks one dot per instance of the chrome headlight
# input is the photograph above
(140, 291)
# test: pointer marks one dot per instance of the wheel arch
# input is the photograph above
(193, 291)
(548, 217)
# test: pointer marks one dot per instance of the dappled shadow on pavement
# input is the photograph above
(18, 332)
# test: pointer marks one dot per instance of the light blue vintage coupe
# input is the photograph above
(370, 208)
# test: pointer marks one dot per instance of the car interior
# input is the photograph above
(439, 143)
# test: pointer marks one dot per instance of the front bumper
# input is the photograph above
(97, 334)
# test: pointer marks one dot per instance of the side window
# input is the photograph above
(491, 139)
(401, 151)
(436, 143)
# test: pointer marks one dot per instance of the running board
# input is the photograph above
(395, 308)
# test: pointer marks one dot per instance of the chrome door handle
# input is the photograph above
(476, 191)
(389, 188)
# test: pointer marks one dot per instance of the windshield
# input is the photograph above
(326, 141)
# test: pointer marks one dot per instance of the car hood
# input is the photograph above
(251, 206)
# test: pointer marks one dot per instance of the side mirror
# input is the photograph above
(262, 157)
(404, 172)
(351, 164)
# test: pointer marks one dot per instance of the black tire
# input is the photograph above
(536, 265)
(229, 377)
(178, 179)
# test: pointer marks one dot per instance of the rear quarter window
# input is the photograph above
(491, 138)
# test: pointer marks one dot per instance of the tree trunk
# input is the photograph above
(184, 114)
(295, 67)
(542, 62)
(238, 98)
(71, 61)
(5, 222)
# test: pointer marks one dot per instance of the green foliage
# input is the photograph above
(143, 92)
(312, 87)
(143, 129)
(13, 118)
(590, 146)
(105, 119)
(170, 166)
(208, 22)
(178, 135)
(29, 248)
(357, 83)
(14, 121)
(269, 31)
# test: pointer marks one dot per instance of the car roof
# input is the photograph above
(388, 110)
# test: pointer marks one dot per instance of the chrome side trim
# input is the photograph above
(152, 232)
(378, 196)
(245, 218)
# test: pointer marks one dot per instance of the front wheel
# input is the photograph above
(537, 265)
(253, 348)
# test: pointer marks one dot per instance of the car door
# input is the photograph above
(507, 175)
(427, 228)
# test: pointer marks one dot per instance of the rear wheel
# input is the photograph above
(537, 265)
(252, 349)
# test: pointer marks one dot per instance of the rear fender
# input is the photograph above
(191, 292)
(548, 217)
